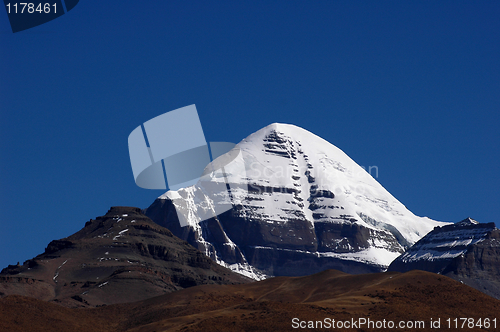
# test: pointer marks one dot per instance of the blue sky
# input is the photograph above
(410, 87)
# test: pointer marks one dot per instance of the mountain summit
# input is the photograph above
(300, 205)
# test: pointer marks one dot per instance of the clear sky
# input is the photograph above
(410, 87)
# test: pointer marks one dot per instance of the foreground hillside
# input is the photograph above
(270, 305)
(122, 256)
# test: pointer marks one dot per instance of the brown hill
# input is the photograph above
(120, 257)
(272, 304)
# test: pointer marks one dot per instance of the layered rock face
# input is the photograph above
(298, 205)
(122, 256)
(467, 251)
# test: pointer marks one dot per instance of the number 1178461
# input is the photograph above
(469, 323)
(29, 7)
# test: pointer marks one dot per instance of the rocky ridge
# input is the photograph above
(120, 257)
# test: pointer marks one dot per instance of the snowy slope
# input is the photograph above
(447, 242)
(298, 193)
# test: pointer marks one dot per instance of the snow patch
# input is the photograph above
(120, 234)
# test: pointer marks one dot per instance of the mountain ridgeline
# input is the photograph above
(282, 203)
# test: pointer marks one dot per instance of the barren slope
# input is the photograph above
(269, 305)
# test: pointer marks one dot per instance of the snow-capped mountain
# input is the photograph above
(467, 251)
(297, 205)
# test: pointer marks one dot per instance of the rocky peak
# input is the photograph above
(467, 222)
